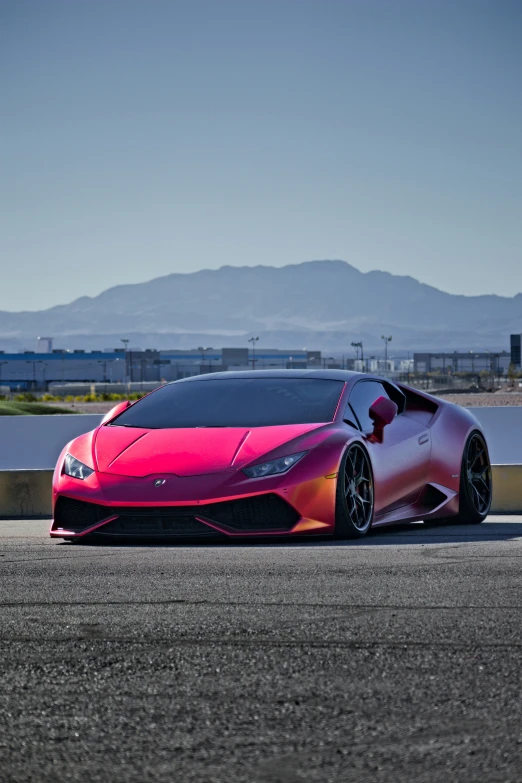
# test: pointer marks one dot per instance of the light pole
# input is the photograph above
(125, 341)
(34, 363)
(103, 363)
(386, 341)
(359, 345)
(499, 371)
(253, 340)
(203, 352)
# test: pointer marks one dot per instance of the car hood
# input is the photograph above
(137, 452)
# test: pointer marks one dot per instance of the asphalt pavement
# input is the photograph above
(397, 658)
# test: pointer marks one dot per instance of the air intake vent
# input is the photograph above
(156, 525)
(262, 513)
(77, 515)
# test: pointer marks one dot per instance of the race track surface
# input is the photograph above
(393, 659)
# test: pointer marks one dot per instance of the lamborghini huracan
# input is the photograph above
(280, 452)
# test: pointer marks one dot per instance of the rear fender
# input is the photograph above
(449, 432)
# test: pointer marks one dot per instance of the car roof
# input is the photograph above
(322, 374)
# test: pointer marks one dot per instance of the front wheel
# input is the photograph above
(476, 488)
(354, 501)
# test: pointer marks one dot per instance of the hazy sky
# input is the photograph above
(143, 138)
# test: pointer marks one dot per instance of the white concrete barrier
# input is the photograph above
(35, 442)
(30, 446)
(503, 429)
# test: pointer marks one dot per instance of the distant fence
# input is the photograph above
(434, 382)
(74, 389)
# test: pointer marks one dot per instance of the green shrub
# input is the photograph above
(10, 408)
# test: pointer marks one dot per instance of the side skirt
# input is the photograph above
(434, 501)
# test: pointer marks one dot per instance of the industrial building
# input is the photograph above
(516, 353)
(47, 366)
(37, 370)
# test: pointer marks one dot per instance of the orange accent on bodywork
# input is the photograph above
(308, 524)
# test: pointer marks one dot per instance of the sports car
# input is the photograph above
(272, 453)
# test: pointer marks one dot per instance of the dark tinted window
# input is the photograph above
(362, 397)
(236, 402)
(349, 416)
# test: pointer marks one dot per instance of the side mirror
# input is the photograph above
(382, 412)
(119, 408)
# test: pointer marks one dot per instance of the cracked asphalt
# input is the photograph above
(397, 658)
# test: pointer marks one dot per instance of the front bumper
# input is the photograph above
(219, 504)
(258, 514)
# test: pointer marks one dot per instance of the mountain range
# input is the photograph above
(316, 305)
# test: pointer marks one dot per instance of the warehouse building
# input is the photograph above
(37, 370)
(516, 353)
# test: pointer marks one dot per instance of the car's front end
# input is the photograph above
(285, 493)
(232, 455)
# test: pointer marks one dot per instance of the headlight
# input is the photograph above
(276, 466)
(73, 467)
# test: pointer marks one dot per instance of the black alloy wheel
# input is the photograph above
(354, 504)
(476, 487)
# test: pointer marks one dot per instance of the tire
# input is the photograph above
(354, 495)
(476, 487)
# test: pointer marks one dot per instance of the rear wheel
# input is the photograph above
(354, 501)
(476, 487)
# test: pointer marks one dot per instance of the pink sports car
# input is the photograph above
(279, 452)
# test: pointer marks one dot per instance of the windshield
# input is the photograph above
(235, 402)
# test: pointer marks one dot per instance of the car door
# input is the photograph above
(401, 461)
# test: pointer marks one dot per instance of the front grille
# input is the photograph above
(156, 525)
(261, 513)
(77, 515)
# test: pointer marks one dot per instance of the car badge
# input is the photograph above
(159, 482)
